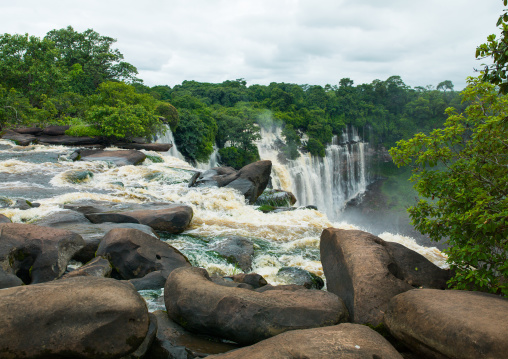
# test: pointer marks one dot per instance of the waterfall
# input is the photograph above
(328, 182)
(212, 162)
(168, 138)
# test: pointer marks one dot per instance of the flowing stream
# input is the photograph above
(41, 174)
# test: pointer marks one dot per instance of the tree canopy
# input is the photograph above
(461, 174)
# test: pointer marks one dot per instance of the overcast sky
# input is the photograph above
(296, 41)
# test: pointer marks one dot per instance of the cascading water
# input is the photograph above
(328, 182)
(169, 138)
(40, 174)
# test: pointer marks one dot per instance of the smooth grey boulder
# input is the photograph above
(173, 341)
(82, 317)
(450, 323)
(97, 267)
(245, 316)
(19, 138)
(237, 250)
(300, 276)
(8, 280)
(172, 219)
(135, 254)
(344, 341)
(119, 158)
(157, 147)
(360, 268)
(36, 254)
(4, 219)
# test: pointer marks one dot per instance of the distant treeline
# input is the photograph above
(76, 78)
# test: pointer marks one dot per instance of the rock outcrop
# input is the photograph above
(242, 315)
(36, 254)
(82, 317)
(135, 254)
(366, 272)
(237, 250)
(450, 323)
(345, 341)
(250, 180)
(119, 158)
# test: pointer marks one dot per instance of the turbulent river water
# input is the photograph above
(41, 174)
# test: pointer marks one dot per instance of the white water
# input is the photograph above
(281, 239)
(328, 182)
(169, 138)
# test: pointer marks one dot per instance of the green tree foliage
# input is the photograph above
(91, 57)
(497, 49)
(461, 173)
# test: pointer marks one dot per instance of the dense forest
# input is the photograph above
(79, 79)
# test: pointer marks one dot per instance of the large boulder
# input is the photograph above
(242, 315)
(172, 219)
(55, 130)
(135, 254)
(237, 250)
(157, 147)
(366, 272)
(345, 341)
(250, 180)
(36, 254)
(29, 130)
(19, 138)
(65, 140)
(450, 323)
(173, 341)
(300, 276)
(119, 158)
(4, 219)
(82, 317)
(276, 198)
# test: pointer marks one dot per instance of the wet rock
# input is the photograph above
(157, 147)
(55, 130)
(4, 219)
(288, 287)
(173, 341)
(134, 254)
(450, 323)
(78, 176)
(141, 351)
(299, 276)
(82, 317)
(8, 280)
(241, 315)
(65, 140)
(19, 138)
(172, 219)
(276, 198)
(237, 250)
(36, 254)
(253, 279)
(119, 158)
(29, 130)
(360, 268)
(250, 180)
(345, 341)
(97, 267)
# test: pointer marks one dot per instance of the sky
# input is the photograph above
(315, 42)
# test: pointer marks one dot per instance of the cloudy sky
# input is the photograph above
(296, 41)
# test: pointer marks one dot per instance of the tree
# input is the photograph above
(461, 173)
(94, 53)
(498, 51)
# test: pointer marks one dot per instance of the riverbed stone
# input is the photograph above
(55, 130)
(8, 280)
(36, 254)
(4, 219)
(64, 140)
(245, 316)
(450, 323)
(19, 138)
(157, 147)
(250, 180)
(119, 158)
(345, 341)
(135, 254)
(237, 250)
(360, 268)
(300, 276)
(172, 219)
(82, 317)
(173, 341)
(97, 267)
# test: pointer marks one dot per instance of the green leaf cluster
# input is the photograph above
(461, 174)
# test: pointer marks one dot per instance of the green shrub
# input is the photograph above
(82, 131)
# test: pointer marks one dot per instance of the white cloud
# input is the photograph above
(298, 41)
